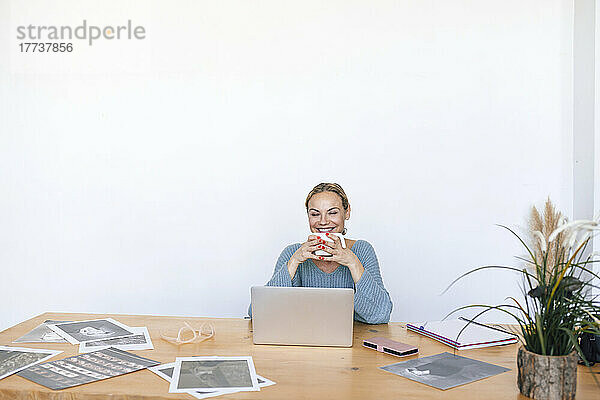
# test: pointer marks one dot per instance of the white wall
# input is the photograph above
(596, 242)
(584, 92)
(164, 176)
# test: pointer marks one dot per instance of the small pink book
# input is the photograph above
(390, 346)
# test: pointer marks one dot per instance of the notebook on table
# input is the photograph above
(302, 316)
(475, 335)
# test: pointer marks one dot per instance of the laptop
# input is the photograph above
(302, 316)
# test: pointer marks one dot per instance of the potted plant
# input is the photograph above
(557, 305)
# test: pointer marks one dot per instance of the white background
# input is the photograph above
(164, 176)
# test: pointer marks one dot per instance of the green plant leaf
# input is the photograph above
(538, 323)
(564, 271)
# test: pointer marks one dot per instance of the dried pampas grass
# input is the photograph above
(549, 254)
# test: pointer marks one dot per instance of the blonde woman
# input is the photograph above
(355, 266)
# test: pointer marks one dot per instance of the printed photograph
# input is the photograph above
(139, 341)
(42, 334)
(264, 382)
(54, 377)
(165, 371)
(444, 371)
(135, 339)
(203, 373)
(213, 374)
(84, 368)
(15, 359)
(86, 331)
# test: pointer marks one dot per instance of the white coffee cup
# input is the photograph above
(323, 236)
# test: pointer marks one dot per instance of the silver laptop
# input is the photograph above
(302, 316)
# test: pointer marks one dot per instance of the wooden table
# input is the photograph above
(300, 372)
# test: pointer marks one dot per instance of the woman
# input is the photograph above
(355, 266)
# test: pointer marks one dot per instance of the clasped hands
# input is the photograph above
(339, 254)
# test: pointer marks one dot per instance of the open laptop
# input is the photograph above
(302, 316)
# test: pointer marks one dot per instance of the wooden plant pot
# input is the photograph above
(547, 377)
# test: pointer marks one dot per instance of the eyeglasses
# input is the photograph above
(187, 334)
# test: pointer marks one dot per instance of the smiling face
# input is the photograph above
(326, 213)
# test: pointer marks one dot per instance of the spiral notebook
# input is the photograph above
(475, 336)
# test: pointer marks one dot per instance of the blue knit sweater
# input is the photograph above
(372, 303)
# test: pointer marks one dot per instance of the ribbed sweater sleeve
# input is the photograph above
(281, 275)
(372, 303)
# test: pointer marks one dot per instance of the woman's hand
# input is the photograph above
(304, 252)
(343, 256)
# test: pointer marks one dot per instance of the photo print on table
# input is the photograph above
(444, 371)
(86, 331)
(139, 341)
(165, 371)
(15, 359)
(85, 368)
(42, 334)
(213, 373)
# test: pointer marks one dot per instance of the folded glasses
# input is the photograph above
(187, 334)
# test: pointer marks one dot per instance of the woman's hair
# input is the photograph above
(328, 187)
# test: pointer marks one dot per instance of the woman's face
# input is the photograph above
(326, 213)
